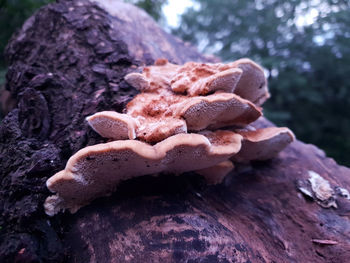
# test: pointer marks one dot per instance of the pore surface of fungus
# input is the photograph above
(96, 170)
(114, 125)
(172, 127)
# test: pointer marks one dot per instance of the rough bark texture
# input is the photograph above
(68, 61)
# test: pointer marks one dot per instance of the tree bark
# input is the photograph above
(69, 61)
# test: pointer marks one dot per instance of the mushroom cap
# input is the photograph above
(114, 125)
(223, 141)
(156, 111)
(243, 77)
(154, 117)
(153, 77)
(137, 80)
(252, 84)
(153, 130)
(263, 144)
(96, 170)
(201, 79)
(216, 111)
(118, 126)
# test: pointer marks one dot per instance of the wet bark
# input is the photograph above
(67, 62)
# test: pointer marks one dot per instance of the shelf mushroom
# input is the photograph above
(97, 170)
(165, 118)
(189, 98)
(190, 117)
(242, 77)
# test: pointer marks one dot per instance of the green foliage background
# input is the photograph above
(308, 63)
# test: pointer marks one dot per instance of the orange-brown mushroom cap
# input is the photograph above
(114, 125)
(196, 79)
(263, 144)
(154, 117)
(195, 96)
(216, 111)
(243, 77)
(252, 84)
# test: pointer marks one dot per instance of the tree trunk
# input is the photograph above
(67, 62)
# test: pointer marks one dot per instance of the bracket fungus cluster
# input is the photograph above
(191, 117)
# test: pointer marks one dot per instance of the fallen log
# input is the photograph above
(69, 61)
